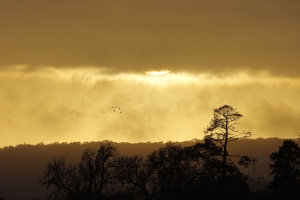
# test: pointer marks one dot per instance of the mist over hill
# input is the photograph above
(23, 164)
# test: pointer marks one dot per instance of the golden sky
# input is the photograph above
(64, 63)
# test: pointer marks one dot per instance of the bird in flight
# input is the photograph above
(115, 108)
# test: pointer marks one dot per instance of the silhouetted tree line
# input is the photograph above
(171, 172)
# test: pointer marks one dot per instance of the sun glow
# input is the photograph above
(158, 73)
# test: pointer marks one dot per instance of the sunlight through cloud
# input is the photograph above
(158, 73)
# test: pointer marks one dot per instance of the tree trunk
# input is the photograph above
(225, 151)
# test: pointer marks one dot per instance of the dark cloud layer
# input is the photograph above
(196, 36)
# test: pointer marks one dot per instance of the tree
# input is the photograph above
(61, 179)
(135, 176)
(286, 171)
(164, 174)
(208, 157)
(88, 180)
(96, 169)
(173, 171)
(222, 129)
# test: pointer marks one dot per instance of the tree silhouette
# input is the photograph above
(286, 171)
(222, 129)
(96, 169)
(164, 174)
(208, 157)
(61, 179)
(173, 171)
(136, 176)
(93, 174)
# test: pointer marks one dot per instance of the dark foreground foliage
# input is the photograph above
(286, 171)
(171, 172)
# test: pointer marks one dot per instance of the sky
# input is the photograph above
(65, 64)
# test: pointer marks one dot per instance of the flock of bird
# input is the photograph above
(116, 109)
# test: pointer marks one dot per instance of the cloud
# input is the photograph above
(134, 36)
(53, 104)
(277, 119)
